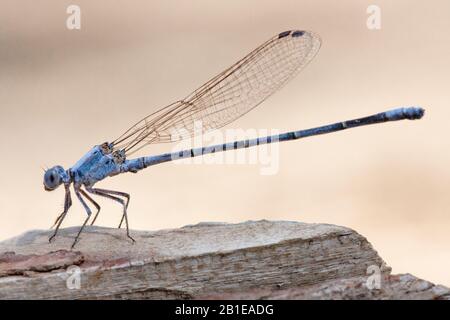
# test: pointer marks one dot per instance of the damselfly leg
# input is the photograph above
(67, 205)
(96, 205)
(88, 211)
(109, 194)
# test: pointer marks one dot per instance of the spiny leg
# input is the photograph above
(123, 194)
(106, 194)
(59, 220)
(60, 215)
(88, 211)
(118, 193)
(96, 205)
(67, 204)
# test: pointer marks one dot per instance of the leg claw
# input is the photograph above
(131, 238)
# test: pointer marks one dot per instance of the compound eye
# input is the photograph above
(51, 179)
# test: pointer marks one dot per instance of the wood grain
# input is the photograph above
(194, 261)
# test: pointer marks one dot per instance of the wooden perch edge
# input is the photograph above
(250, 260)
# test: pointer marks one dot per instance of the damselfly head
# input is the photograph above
(53, 178)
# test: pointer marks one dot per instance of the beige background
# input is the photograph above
(63, 91)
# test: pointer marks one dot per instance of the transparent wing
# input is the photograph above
(227, 96)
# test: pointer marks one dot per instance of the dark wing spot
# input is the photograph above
(298, 33)
(284, 34)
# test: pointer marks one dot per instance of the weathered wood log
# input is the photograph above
(397, 287)
(263, 259)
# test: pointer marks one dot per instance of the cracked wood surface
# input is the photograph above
(189, 262)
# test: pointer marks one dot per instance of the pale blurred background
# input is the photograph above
(63, 91)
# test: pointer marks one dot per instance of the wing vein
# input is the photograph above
(227, 96)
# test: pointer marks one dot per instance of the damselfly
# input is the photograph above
(218, 102)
